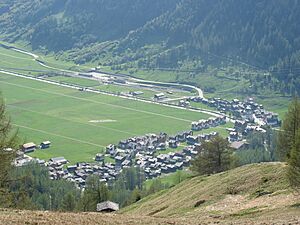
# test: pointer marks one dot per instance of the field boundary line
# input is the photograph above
(88, 100)
(58, 135)
(16, 57)
(62, 118)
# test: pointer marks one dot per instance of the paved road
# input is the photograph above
(212, 113)
(36, 57)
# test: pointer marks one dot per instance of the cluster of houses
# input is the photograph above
(31, 147)
(248, 110)
(22, 159)
(211, 122)
(184, 103)
(149, 152)
(146, 152)
(242, 129)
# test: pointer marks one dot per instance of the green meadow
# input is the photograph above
(81, 124)
(22, 63)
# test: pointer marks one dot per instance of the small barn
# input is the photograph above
(28, 147)
(45, 144)
(159, 96)
(107, 206)
(59, 160)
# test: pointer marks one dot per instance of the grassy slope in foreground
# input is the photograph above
(62, 115)
(176, 205)
(246, 193)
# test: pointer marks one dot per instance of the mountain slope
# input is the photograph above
(64, 24)
(249, 192)
(259, 32)
(185, 35)
(252, 194)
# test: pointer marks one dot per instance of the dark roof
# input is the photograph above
(58, 159)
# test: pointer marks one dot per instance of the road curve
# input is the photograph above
(36, 57)
(77, 87)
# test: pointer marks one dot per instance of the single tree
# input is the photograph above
(294, 164)
(8, 144)
(213, 157)
(289, 129)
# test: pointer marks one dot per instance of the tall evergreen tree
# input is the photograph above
(214, 157)
(294, 164)
(8, 143)
(290, 127)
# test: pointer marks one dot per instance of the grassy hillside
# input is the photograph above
(248, 192)
(20, 217)
(253, 194)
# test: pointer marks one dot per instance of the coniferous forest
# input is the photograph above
(189, 35)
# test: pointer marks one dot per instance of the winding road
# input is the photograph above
(138, 81)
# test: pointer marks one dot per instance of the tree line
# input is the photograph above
(164, 33)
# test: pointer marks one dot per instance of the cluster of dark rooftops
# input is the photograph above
(157, 154)
(145, 152)
(247, 110)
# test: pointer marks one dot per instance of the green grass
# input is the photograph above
(19, 62)
(277, 103)
(201, 105)
(247, 212)
(147, 93)
(181, 200)
(53, 61)
(61, 115)
(169, 179)
(218, 84)
(163, 76)
(74, 80)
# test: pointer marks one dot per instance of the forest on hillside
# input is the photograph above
(163, 33)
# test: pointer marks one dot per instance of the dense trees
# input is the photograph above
(261, 148)
(32, 188)
(214, 157)
(128, 187)
(94, 193)
(262, 35)
(64, 24)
